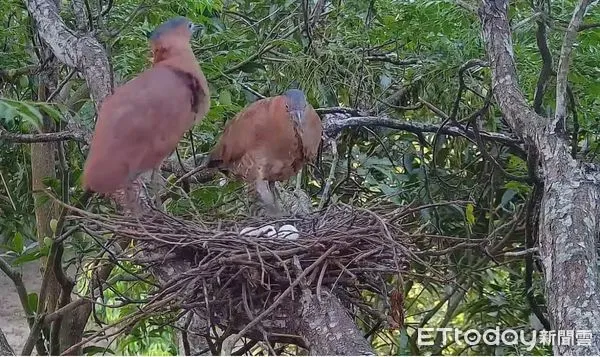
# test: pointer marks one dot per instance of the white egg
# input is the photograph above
(268, 231)
(288, 231)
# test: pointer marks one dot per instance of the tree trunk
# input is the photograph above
(323, 324)
(328, 329)
(87, 55)
(568, 222)
(43, 168)
(84, 53)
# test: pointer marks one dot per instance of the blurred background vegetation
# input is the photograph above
(394, 58)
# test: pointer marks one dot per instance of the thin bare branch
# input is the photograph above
(7, 75)
(16, 278)
(585, 27)
(334, 124)
(546, 70)
(564, 63)
(42, 137)
(393, 59)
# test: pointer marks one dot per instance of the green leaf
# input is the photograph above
(469, 214)
(28, 257)
(42, 199)
(47, 242)
(8, 113)
(31, 115)
(32, 301)
(53, 225)
(24, 81)
(225, 97)
(52, 112)
(17, 243)
(52, 182)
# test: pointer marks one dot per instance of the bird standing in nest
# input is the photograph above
(270, 140)
(141, 123)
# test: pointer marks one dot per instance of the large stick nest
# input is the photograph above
(339, 248)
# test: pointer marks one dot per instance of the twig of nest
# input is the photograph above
(365, 243)
(249, 263)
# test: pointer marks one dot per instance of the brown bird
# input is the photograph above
(270, 140)
(141, 123)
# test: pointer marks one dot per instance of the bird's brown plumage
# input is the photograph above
(140, 124)
(261, 142)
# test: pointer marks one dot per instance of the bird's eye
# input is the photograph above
(190, 25)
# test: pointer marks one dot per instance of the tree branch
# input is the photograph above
(393, 59)
(84, 53)
(461, 84)
(565, 61)
(504, 75)
(79, 13)
(546, 71)
(16, 278)
(60, 313)
(8, 75)
(42, 137)
(585, 27)
(334, 124)
(341, 110)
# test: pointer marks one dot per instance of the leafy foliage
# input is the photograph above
(388, 57)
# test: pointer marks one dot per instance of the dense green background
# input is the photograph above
(260, 45)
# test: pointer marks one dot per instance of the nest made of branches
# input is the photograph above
(218, 267)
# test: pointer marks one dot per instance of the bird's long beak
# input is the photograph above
(297, 117)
